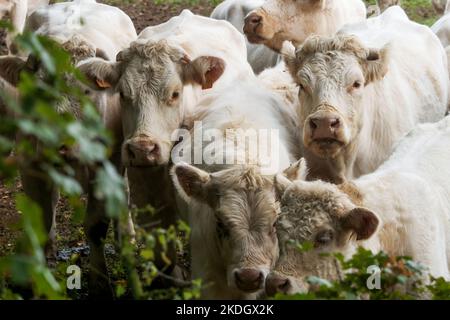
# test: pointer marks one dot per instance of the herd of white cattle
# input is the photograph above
(353, 109)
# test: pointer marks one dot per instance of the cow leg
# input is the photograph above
(46, 195)
(96, 225)
(152, 186)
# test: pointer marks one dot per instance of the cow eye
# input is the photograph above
(357, 84)
(122, 96)
(222, 230)
(323, 238)
(175, 95)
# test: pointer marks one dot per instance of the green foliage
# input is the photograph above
(151, 246)
(440, 289)
(30, 266)
(400, 278)
(47, 126)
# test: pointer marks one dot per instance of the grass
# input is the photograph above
(420, 11)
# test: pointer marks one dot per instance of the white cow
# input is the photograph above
(234, 11)
(228, 190)
(279, 20)
(362, 90)
(86, 19)
(18, 11)
(83, 39)
(403, 209)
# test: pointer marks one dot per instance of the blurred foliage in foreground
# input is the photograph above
(36, 117)
(399, 278)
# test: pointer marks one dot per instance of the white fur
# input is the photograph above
(105, 27)
(413, 90)
(410, 193)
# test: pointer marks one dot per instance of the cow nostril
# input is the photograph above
(249, 276)
(312, 123)
(335, 123)
(255, 19)
(284, 285)
(277, 284)
(155, 149)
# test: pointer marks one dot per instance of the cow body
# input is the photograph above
(86, 19)
(234, 11)
(371, 72)
(403, 209)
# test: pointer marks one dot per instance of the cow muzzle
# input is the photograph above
(141, 151)
(255, 28)
(277, 284)
(249, 279)
(325, 133)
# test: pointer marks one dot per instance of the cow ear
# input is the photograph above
(360, 221)
(376, 64)
(297, 171)
(191, 182)
(204, 70)
(100, 73)
(281, 183)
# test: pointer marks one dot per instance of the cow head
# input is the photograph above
(292, 20)
(150, 77)
(332, 75)
(327, 216)
(243, 211)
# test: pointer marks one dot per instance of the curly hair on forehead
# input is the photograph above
(321, 44)
(150, 50)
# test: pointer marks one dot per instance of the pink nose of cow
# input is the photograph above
(142, 152)
(324, 127)
(249, 279)
(251, 22)
(277, 284)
